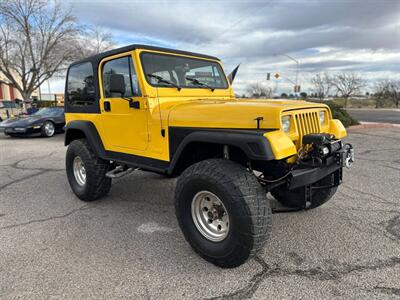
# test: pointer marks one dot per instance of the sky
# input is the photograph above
(330, 36)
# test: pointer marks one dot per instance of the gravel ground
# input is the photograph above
(128, 245)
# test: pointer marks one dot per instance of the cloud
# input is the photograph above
(360, 36)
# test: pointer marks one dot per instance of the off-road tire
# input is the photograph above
(294, 198)
(43, 130)
(245, 200)
(97, 184)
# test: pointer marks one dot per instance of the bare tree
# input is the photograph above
(36, 40)
(94, 40)
(394, 90)
(258, 90)
(346, 84)
(322, 85)
(381, 92)
(39, 38)
(387, 90)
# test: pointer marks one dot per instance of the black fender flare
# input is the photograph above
(75, 129)
(252, 143)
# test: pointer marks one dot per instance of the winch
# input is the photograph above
(323, 146)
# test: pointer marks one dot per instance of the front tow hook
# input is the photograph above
(349, 159)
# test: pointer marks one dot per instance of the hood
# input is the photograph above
(21, 121)
(234, 113)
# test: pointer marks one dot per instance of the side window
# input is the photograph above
(123, 66)
(80, 85)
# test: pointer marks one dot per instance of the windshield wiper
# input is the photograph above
(195, 81)
(160, 79)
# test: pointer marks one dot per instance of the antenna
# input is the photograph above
(162, 130)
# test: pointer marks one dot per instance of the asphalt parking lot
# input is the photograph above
(128, 245)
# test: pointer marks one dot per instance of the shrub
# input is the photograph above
(339, 113)
(44, 103)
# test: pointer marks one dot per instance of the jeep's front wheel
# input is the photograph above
(86, 172)
(222, 211)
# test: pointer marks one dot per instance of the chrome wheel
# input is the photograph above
(49, 129)
(210, 216)
(79, 171)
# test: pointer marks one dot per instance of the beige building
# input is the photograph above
(8, 91)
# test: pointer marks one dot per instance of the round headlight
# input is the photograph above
(322, 117)
(285, 123)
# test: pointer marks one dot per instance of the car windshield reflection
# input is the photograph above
(49, 112)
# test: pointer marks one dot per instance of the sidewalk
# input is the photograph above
(375, 109)
(374, 125)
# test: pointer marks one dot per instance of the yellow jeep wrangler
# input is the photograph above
(175, 113)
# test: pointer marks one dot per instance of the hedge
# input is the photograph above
(339, 113)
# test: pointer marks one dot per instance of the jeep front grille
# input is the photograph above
(307, 122)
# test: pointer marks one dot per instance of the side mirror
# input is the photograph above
(117, 84)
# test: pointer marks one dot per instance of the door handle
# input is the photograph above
(107, 106)
(134, 104)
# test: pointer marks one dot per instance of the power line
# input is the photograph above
(237, 22)
(234, 24)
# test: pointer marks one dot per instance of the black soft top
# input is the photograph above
(95, 59)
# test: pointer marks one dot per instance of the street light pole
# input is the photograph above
(40, 93)
(297, 66)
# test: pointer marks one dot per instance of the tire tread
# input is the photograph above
(244, 187)
(97, 167)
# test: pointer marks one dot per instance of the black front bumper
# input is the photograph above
(332, 165)
(20, 130)
(308, 176)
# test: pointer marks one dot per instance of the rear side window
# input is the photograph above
(123, 66)
(80, 85)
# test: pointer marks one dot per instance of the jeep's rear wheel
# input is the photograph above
(222, 211)
(86, 173)
(295, 198)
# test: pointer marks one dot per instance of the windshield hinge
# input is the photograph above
(259, 119)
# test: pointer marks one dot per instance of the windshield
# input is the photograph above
(182, 71)
(51, 112)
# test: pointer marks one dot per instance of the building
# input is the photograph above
(8, 91)
(57, 98)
